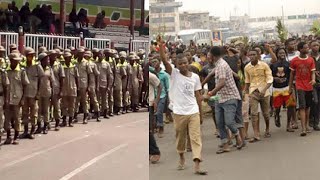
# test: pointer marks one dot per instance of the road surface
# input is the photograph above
(114, 149)
(284, 156)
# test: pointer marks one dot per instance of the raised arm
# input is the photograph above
(163, 56)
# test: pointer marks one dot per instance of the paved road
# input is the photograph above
(285, 156)
(114, 149)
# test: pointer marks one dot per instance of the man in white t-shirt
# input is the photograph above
(186, 98)
(291, 49)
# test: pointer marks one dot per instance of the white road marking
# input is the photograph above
(134, 122)
(44, 151)
(91, 162)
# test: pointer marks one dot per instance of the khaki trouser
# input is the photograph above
(29, 111)
(110, 100)
(44, 103)
(93, 100)
(125, 98)
(68, 106)
(1, 115)
(55, 101)
(117, 97)
(134, 95)
(192, 122)
(103, 98)
(82, 98)
(264, 102)
(12, 116)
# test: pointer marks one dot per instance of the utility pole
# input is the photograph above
(62, 16)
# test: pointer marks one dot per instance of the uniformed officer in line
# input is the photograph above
(136, 80)
(42, 49)
(34, 72)
(69, 89)
(59, 55)
(104, 83)
(124, 79)
(13, 47)
(18, 81)
(110, 58)
(120, 75)
(93, 85)
(59, 76)
(73, 52)
(4, 61)
(4, 98)
(45, 91)
(85, 76)
(141, 60)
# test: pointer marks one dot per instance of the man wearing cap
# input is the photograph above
(93, 85)
(120, 74)
(124, 79)
(4, 90)
(3, 60)
(42, 49)
(145, 84)
(13, 47)
(134, 85)
(110, 59)
(45, 91)
(69, 87)
(85, 78)
(104, 83)
(140, 75)
(18, 81)
(59, 75)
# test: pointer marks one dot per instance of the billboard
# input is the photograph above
(217, 38)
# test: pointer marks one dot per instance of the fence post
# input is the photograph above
(81, 39)
(21, 39)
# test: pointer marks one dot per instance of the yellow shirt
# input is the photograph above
(258, 76)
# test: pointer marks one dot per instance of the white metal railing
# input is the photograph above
(8, 38)
(91, 43)
(139, 44)
(50, 41)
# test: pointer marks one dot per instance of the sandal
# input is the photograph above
(303, 133)
(267, 135)
(290, 130)
(253, 140)
(201, 172)
(221, 150)
(308, 130)
(181, 167)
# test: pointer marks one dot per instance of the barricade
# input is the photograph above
(7, 38)
(50, 41)
(91, 43)
(139, 44)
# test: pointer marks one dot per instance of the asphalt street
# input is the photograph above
(284, 156)
(114, 149)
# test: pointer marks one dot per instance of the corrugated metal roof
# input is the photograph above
(112, 3)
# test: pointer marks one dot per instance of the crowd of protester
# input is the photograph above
(243, 81)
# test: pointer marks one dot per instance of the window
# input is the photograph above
(147, 19)
(115, 16)
(164, 20)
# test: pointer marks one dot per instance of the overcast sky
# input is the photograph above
(258, 8)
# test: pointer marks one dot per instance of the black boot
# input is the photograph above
(111, 113)
(31, 135)
(56, 128)
(105, 114)
(0, 142)
(117, 111)
(70, 122)
(9, 139)
(16, 138)
(98, 115)
(85, 118)
(25, 132)
(64, 121)
(135, 108)
(45, 128)
(39, 128)
(75, 117)
(128, 109)
(124, 109)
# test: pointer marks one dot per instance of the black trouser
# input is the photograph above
(153, 148)
(315, 108)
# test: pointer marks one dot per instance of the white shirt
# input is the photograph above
(153, 84)
(293, 55)
(183, 93)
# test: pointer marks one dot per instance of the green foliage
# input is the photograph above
(315, 29)
(282, 31)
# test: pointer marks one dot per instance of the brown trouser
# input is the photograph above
(1, 114)
(55, 101)
(134, 95)
(44, 103)
(264, 102)
(192, 122)
(12, 116)
(68, 105)
(117, 97)
(82, 98)
(125, 98)
(103, 98)
(29, 111)
(93, 100)
(110, 100)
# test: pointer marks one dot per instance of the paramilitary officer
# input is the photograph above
(124, 80)
(110, 58)
(4, 98)
(3, 59)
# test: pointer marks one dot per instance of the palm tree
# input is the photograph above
(315, 29)
(282, 31)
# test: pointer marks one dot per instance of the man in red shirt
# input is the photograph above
(303, 70)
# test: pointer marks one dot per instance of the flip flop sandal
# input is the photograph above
(295, 126)
(267, 135)
(181, 167)
(254, 140)
(201, 172)
(308, 131)
(220, 151)
(303, 133)
(290, 130)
